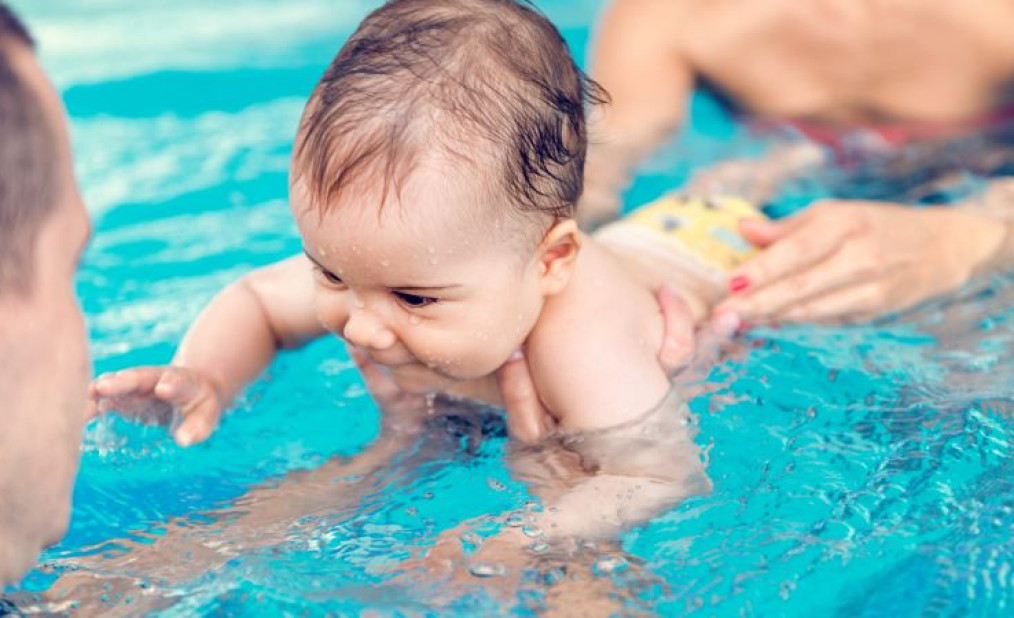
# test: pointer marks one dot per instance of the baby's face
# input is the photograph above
(425, 286)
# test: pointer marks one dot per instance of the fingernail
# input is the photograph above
(739, 283)
(184, 438)
(728, 322)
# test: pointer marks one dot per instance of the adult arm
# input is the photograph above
(649, 79)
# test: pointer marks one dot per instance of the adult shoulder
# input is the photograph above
(661, 23)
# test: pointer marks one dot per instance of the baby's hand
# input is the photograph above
(157, 394)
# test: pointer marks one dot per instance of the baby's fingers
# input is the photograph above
(197, 401)
(180, 388)
(136, 381)
(199, 421)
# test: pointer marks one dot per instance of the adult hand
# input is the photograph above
(528, 419)
(854, 260)
(157, 394)
(400, 407)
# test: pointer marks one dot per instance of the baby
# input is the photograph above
(436, 170)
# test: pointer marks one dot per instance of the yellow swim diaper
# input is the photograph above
(702, 229)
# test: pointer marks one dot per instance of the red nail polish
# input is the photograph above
(739, 283)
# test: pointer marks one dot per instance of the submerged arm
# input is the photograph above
(638, 61)
(995, 205)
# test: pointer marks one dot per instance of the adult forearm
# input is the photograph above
(608, 172)
(994, 208)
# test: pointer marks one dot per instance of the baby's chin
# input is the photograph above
(420, 379)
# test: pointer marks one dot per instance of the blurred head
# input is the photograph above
(437, 168)
(45, 369)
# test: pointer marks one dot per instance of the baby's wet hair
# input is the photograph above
(487, 82)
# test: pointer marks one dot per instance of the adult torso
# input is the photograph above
(846, 61)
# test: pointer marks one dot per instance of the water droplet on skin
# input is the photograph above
(385, 263)
(360, 304)
(414, 319)
(434, 261)
(430, 249)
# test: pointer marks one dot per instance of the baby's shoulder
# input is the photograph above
(593, 352)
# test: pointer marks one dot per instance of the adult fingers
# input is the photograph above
(711, 342)
(527, 419)
(763, 232)
(678, 340)
(839, 270)
(380, 385)
(847, 304)
(808, 244)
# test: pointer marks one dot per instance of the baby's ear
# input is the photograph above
(558, 256)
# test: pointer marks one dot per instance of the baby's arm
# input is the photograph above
(232, 341)
(594, 362)
(239, 333)
(593, 354)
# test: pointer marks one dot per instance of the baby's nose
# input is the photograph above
(366, 330)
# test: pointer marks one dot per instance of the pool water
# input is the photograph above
(856, 471)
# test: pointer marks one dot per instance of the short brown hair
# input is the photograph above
(29, 170)
(423, 74)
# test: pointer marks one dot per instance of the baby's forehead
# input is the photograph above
(438, 193)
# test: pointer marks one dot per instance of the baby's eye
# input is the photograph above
(331, 277)
(414, 300)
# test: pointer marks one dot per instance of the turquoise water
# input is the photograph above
(856, 471)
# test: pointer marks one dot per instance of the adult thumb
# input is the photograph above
(762, 232)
